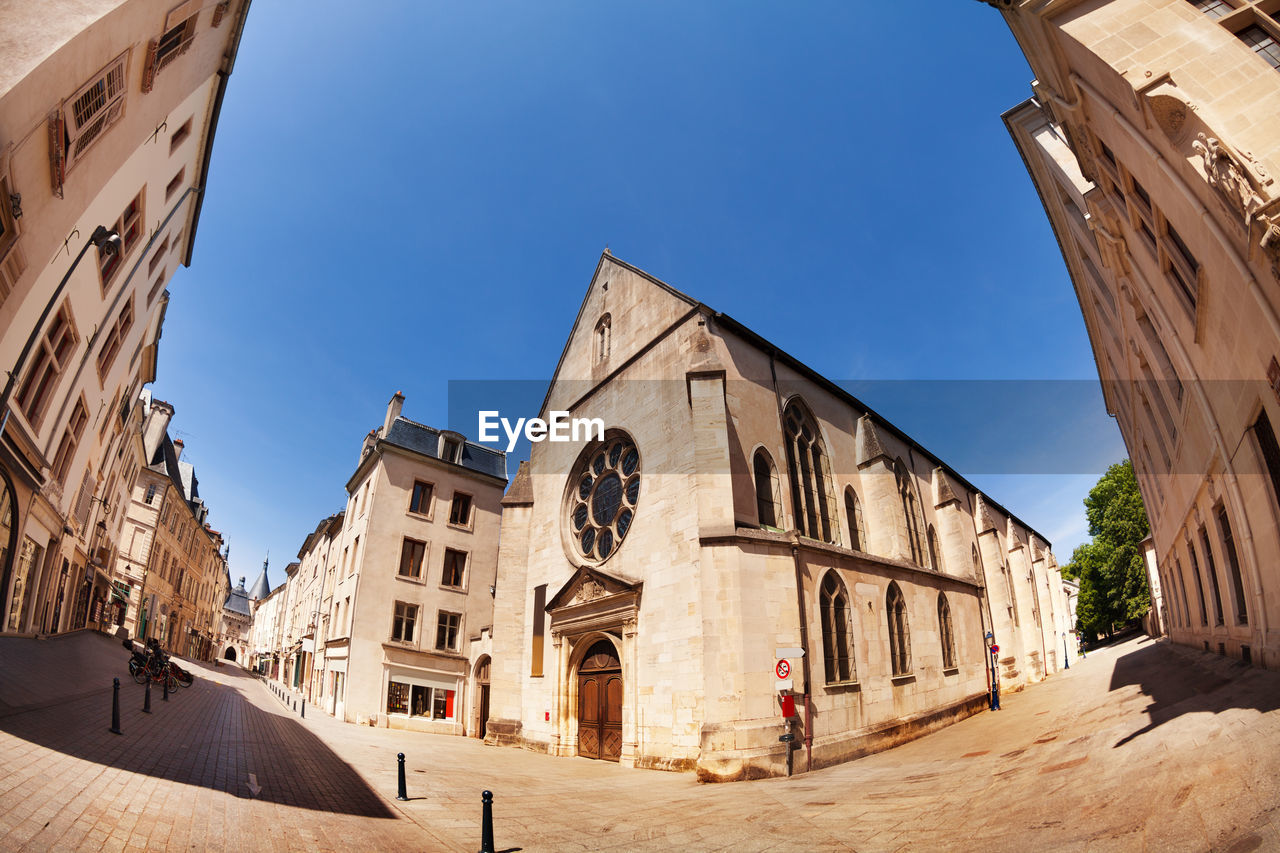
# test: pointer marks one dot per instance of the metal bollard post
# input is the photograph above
(304, 708)
(115, 707)
(165, 697)
(486, 822)
(146, 701)
(403, 793)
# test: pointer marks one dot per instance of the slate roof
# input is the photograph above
(425, 440)
(238, 600)
(261, 587)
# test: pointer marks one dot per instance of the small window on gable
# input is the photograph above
(450, 449)
(602, 339)
(766, 481)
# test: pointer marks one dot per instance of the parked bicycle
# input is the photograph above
(152, 663)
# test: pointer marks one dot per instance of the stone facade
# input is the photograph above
(1153, 140)
(107, 112)
(738, 507)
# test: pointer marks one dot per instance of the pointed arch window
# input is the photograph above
(935, 549)
(767, 496)
(602, 339)
(977, 563)
(946, 633)
(810, 477)
(857, 525)
(911, 512)
(899, 631)
(1013, 599)
(837, 639)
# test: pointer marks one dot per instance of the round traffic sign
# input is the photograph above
(783, 669)
(994, 649)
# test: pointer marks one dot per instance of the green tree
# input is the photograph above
(1110, 568)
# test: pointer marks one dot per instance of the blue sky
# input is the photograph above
(416, 193)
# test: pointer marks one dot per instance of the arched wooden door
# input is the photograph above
(600, 703)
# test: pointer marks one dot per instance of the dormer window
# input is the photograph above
(451, 448)
(602, 339)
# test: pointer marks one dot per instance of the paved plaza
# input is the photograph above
(1142, 746)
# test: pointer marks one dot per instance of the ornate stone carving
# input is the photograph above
(1228, 175)
(589, 591)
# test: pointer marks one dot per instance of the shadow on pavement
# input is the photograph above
(209, 735)
(1181, 680)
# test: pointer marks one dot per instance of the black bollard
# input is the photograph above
(403, 793)
(146, 701)
(165, 697)
(486, 823)
(115, 707)
(304, 708)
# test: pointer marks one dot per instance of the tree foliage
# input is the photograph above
(1110, 568)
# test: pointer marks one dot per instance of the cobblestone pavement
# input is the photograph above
(1142, 746)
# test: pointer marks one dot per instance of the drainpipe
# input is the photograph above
(800, 595)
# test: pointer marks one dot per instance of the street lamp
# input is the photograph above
(1066, 655)
(993, 650)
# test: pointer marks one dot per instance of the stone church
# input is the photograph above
(748, 553)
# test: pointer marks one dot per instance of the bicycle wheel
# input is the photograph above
(173, 682)
(185, 678)
(138, 672)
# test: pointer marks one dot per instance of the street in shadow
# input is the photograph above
(1181, 680)
(207, 735)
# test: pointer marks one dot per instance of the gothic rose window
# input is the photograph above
(603, 495)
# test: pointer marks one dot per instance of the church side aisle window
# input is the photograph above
(766, 490)
(899, 631)
(837, 645)
(807, 468)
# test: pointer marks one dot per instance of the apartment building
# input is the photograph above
(107, 116)
(1153, 140)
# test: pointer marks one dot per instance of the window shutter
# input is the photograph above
(82, 502)
(188, 34)
(57, 152)
(149, 67)
(219, 11)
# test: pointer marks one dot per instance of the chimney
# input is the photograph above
(155, 427)
(393, 412)
(177, 448)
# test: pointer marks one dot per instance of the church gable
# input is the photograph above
(589, 585)
(623, 311)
